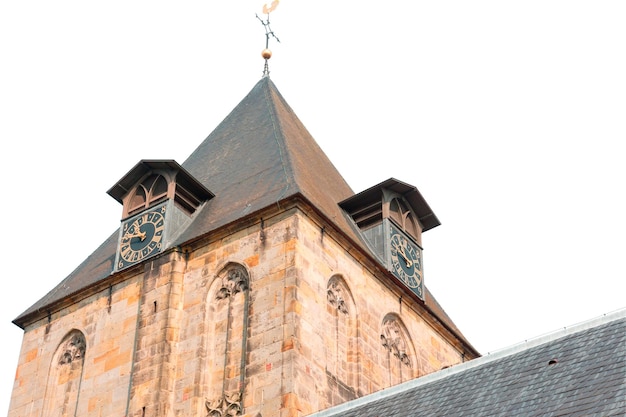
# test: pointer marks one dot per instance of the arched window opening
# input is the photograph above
(64, 378)
(402, 215)
(227, 334)
(400, 352)
(138, 202)
(411, 225)
(151, 191)
(341, 342)
(158, 191)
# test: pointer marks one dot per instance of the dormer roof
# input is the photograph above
(373, 195)
(145, 166)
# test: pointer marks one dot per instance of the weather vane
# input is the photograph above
(266, 53)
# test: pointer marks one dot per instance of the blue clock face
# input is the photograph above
(406, 260)
(141, 237)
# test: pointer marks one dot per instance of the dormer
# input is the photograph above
(159, 199)
(152, 181)
(391, 218)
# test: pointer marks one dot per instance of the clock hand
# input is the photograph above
(138, 233)
(403, 255)
(141, 235)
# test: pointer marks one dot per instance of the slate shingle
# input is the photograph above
(588, 379)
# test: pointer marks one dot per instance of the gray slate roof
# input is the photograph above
(588, 379)
(259, 155)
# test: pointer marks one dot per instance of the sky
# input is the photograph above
(509, 117)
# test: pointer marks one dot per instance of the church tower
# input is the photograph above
(250, 280)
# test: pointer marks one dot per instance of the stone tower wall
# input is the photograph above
(316, 316)
(57, 376)
(276, 319)
(355, 335)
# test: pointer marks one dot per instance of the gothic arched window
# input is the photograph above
(403, 217)
(64, 378)
(400, 351)
(227, 325)
(151, 191)
(341, 341)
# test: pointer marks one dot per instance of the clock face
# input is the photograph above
(406, 260)
(141, 237)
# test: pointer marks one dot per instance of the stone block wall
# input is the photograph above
(79, 361)
(276, 319)
(316, 316)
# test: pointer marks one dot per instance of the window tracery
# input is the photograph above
(64, 378)
(341, 341)
(400, 352)
(227, 322)
(73, 349)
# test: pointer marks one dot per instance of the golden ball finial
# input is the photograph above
(266, 54)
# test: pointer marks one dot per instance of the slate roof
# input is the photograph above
(587, 379)
(259, 155)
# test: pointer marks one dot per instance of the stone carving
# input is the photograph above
(73, 349)
(232, 280)
(335, 297)
(392, 338)
(235, 281)
(227, 405)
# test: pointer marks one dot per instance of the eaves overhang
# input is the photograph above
(145, 166)
(425, 214)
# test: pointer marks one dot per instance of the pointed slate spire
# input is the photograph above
(261, 154)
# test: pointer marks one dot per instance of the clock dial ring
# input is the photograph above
(141, 237)
(406, 260)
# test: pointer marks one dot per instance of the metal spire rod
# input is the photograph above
(266, 53)
(268, 30)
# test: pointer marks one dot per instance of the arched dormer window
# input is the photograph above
(151, 191)
(152, 181)
(400, 213)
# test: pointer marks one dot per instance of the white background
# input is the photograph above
(508, 116)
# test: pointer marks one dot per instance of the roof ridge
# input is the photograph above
(474, 363)
(281, 142)
(559, 333)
